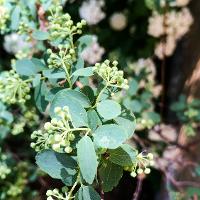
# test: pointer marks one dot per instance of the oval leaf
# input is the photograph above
(109, 109)
(40, 35)
(87, 159)
(54, 163)
(124, 155)
(88, 71)
(87, 193)
(110, 174)
(110, 136)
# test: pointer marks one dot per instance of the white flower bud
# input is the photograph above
(133, 174)
(147, 171)
(139, 171)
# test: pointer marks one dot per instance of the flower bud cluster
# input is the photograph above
(14, 191)
(13, 89)
(110, 74)
(18, 127)
(4, 16)
(27, 118)
(57, 134)
(61, 26)
(144, 123)
(57, 194)
(31, 117)
(25, 30)
(4, 170)
(141, 165)
(65, 57)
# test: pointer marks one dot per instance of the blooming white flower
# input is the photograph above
(91, 11)
(118, 21)
(177, 24)
(93, 53)
(144, 63)
(156, 28)
(14, 43)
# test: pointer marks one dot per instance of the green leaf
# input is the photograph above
(26, 67)
(4, 130)
(54, 73)
(68, 98)
(51, 94)
(133, 87)
(55, 164)
(84, 42)
(88, 91)
(127, 122)
(87, 193)
(15, 18)
(124, 155)
(88, 71)
(79, 64)
(4, 114)
(109, 109)
(110, 136)
(155, 117)
(93, 119)
(110, 175)
(39, 64)
(68, 176)
(40, 35)
(87, 159)
(135, 106)
(151, 4)
(29, 67)
(36, 80)
(39, 96)
(32, 7)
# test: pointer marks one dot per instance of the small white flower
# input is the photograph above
(93, 53)
(118, 21)
(92, 12)
(156, 28)
(14, 43)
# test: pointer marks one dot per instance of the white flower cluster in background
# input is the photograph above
(15, 43)
(149, 66)
(91, 11)
(93, 53)
(174, 25)
(118, 21)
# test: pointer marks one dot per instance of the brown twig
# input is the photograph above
(102, 195)
(138, 188)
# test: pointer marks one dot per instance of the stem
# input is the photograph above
(72, 189)
(98, 97)
(68, 76)
(138, 189)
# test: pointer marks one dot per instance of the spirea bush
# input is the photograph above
(82, 138)
(82, 98)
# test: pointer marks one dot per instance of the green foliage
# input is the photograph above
(80, 140)
(188, 114)
(110, 174)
